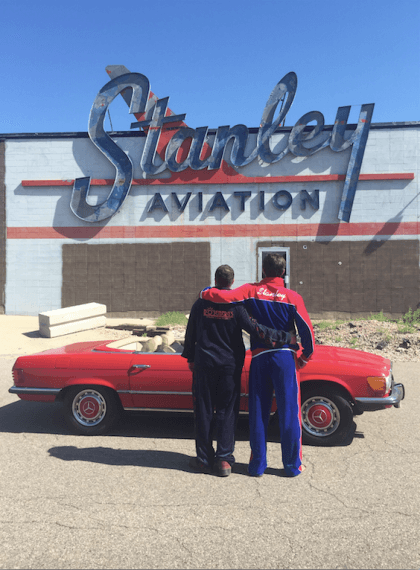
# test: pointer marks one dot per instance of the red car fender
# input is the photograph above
(327, 379)
(89, 382)
(124, 398)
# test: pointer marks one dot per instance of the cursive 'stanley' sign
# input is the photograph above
(155, 121)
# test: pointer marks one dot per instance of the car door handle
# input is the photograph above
(137, 368)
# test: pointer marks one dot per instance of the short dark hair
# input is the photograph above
(274, 265)
(224, 276)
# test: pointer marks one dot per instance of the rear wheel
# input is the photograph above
(91, 410)
(327, 417)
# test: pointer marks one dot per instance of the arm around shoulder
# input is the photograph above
(226, 295)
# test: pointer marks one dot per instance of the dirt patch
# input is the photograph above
(377, 337)
(384, 338)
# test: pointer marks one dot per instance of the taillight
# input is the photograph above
(378, 384)
(18, 376)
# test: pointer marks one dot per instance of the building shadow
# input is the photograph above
(388, 229)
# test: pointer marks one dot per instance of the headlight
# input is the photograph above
(389, 380)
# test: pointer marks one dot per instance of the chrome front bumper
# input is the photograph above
(394, 399)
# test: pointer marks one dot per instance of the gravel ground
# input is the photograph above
(378, 337)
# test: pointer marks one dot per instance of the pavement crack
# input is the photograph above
(358, 509)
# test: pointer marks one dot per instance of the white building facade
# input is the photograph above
(168, 236)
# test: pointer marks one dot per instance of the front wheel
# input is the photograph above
(327, 417)
(91, 410)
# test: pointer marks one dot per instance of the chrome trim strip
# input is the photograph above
(34, 391)
(241, 412)
(127, 352)
(163, 393)
(154, 392)
(397, 394)
(156, 410)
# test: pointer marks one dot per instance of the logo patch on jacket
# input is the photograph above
(212, 314)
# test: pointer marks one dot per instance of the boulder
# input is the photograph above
(167, 349)
(150, 345)
(168, 338)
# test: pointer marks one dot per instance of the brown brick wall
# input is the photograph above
(2, 226)
(133, 279)
(373, 276)
(150, 279)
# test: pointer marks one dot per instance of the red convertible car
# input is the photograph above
(96, 381)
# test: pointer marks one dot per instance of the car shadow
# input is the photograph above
(352, 434)
(34, 417)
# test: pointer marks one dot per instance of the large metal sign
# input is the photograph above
(155, 121)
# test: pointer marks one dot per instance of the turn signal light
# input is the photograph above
(377, 383)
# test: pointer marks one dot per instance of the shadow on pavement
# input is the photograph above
(34, 417)
(30, 417)
(123, 457)
(152, 459)
(33, 334)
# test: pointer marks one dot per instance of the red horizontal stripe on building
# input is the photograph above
(222, 176)
(209, 231)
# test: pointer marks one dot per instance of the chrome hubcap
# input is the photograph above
(320, 416)
(89, 408)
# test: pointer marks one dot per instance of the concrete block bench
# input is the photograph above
(72, 319)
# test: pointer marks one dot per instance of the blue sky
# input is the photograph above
(218, 60)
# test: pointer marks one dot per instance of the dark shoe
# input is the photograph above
(199, 466)
(222, 468)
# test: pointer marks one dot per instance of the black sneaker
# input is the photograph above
(199, 466)
(222, 468)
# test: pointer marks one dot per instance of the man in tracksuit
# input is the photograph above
(215, 351)
(273, 305)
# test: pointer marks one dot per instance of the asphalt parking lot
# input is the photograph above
(128, 500)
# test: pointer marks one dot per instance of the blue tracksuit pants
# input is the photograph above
(275, 369)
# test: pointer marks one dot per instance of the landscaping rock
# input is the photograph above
(168, 338)
(150, 345)
(167, 349)
(377, 337)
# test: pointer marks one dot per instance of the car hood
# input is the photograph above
(350, 355)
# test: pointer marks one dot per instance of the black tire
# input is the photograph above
(327, 417)
(91, 410)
